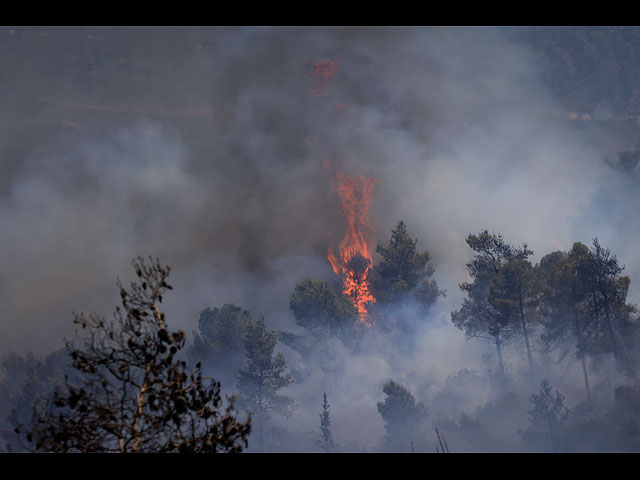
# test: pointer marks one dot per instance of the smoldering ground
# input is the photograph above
(205, 148)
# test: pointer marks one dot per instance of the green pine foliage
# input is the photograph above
(585, 297)
(326, 442)
(404, 418)
(263, 377)
(587, 67)
(404, 274)
(218, 344)
(318, 308)
(477, 317)
(549, 413)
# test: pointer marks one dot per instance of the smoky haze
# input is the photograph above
(205, 147)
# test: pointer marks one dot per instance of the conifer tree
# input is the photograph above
(549, 412)
(218, 344)
(477, 317)
(564, 297)
(404, 271)
(404, 417)
(326, 442)
(611, 324)
(318, 308)
(260, 381)
(585, 301)
(515, 296)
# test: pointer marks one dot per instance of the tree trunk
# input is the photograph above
(499, 348)
(525, 333)
(261, 413)
(601, 288)
(586, 378)
(607, 316)
(585, 372)
(140, 397)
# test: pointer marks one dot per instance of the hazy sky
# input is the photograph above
(204, 146)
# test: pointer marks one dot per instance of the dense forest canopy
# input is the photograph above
(592, 70)
(495, 236)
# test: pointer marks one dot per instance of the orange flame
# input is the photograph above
(322, 71)
(353, 261)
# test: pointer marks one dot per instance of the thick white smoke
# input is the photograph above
(456, 125)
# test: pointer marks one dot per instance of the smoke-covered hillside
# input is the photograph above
(216, 150)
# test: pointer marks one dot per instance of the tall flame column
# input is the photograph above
(353, 261)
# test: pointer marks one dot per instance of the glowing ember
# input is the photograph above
(353, 260)
(322, 71)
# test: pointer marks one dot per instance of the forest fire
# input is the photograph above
(352, 262)
(353, 259)
(322, 71)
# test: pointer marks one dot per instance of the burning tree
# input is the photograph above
(320, 74)
(318, 308)
(133, 394)
(353, 261)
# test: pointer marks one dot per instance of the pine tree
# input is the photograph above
(326, 442)
(564, 296)
(218, 344)
(262, 378)
(549, 412)
(322, 311)
(515, 296)
(477, 317)
(585, 301)
(404, 272)
(611, 324)
(404, 417)
(27, 381)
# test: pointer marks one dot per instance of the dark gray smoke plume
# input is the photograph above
(205, 147)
